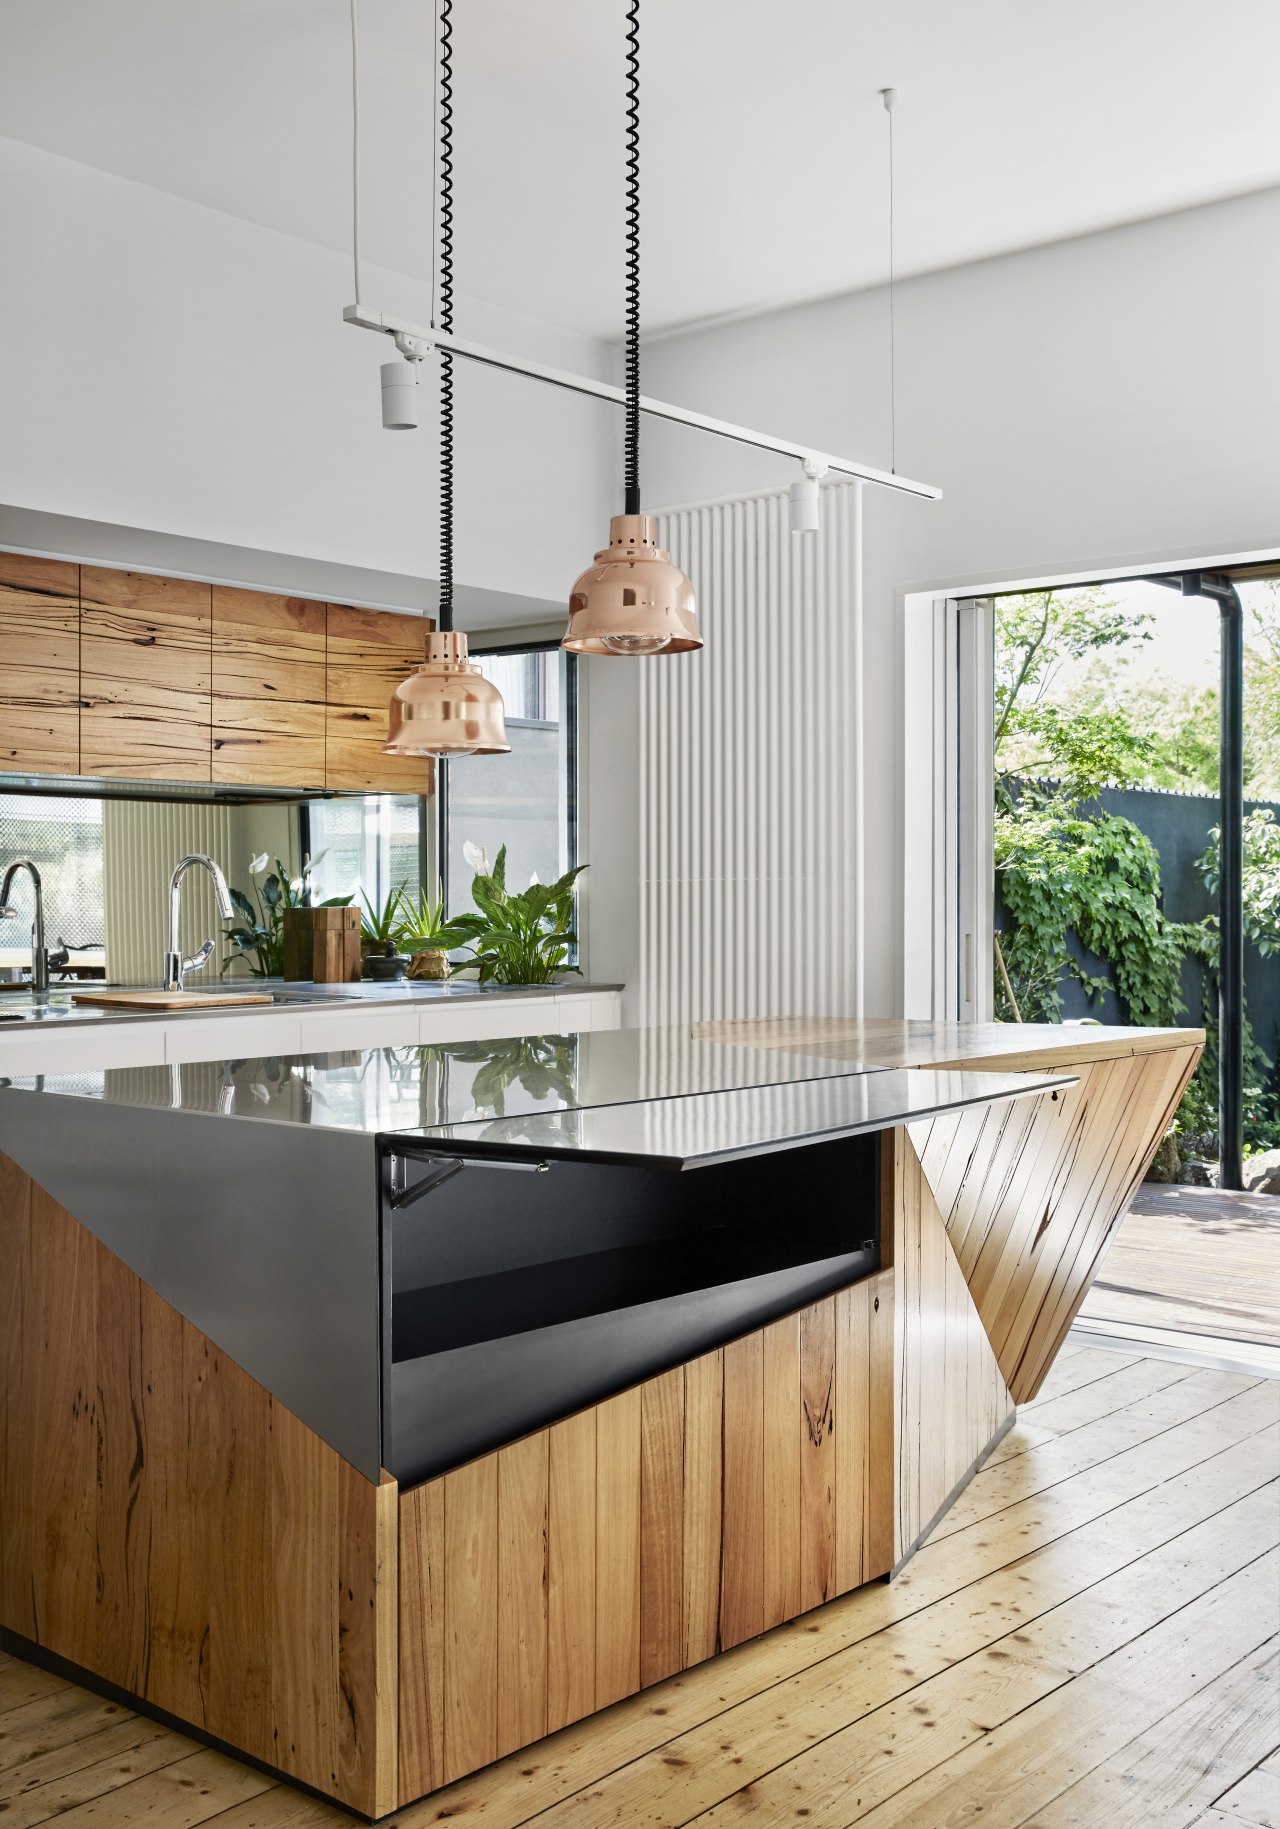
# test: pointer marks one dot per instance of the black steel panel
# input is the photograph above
(265, 1237)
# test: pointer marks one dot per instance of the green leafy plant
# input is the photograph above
(1067, 867)
(258, 939)
(424, 926)
(1261, 873)
(525, 936)
(380, 922)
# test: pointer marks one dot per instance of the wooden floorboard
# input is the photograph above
(1088, 1638)
(1193, 1261)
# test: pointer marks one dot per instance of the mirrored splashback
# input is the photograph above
(105, 866)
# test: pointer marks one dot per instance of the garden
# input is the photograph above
(1106, 752)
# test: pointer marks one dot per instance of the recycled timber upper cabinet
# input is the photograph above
(370, 652)
(129, 676)
(145, 676)
(269, 689)
(378, 1414)
(39, 665)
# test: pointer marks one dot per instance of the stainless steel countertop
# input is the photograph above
(656, 1094)
(374, 1090)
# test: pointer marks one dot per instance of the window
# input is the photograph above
(63, 839)
(371, 842)
(526, 801)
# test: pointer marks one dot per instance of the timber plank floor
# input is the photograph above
(1090, 1637)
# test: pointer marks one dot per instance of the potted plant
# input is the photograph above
(524, 936)
(379, 936)
(259, 939)
(428, 935)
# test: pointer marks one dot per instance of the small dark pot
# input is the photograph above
(382, 968)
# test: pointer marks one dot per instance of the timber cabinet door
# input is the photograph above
(145, 676)
(39, 666)
(369, 653)
(268, 689)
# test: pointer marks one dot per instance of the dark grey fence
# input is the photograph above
(1178, 825)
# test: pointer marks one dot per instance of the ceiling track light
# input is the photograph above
(447, 708)
(806, 496)
(632, 600)
(400, 385)
(366, 317)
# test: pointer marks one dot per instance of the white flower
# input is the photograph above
(535, 878)
(260, 1092)
(295, 885)
(477, 857)
(258, 864)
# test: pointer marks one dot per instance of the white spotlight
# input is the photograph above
(805, 498)
(399, 396)
(400, 385)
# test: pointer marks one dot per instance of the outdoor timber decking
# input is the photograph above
(1194, 1262)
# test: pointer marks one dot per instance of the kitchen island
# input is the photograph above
(377, 1414)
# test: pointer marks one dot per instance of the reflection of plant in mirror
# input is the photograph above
(542, 1064)
(424, 927)
(259, 939)
(525, 936)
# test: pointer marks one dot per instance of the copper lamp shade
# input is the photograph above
(633, 600)
(448, 707)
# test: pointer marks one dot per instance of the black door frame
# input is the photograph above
(1219, 589)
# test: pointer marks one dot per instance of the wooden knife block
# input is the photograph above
(322, 945)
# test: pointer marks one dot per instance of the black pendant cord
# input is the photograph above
(444, 318)
(632, 461)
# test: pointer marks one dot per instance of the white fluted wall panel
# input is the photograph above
(750, 835)
(141, 843)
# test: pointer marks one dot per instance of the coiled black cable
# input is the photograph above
(632, 446)
(444, 317)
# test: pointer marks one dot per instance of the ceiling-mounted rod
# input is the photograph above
(366, 319)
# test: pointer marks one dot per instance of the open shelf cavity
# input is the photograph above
(517, 1299)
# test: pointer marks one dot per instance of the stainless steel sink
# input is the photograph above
(32, 1013)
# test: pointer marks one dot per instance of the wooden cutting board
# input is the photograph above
(169, 1000)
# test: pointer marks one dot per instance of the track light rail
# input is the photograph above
(366, 319)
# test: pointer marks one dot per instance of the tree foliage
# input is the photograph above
(1066, 867)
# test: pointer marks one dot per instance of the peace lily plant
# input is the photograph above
(519, 936)
(258, 939)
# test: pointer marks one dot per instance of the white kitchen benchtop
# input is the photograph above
(56, 1035)
(20, 1006)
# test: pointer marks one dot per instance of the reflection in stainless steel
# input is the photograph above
(411, 1088)
(686, 1132)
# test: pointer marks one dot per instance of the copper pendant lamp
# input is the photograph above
(447, 708)
(632, 600)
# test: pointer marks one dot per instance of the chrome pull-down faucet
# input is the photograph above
(175, 966)
(39, 955)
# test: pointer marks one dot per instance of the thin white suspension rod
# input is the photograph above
(366, 319)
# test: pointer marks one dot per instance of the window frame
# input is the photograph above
(569, 733)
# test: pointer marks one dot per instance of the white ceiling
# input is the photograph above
(1020, 121)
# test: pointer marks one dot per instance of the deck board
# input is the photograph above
(1101, 1597)
(1193, 1261)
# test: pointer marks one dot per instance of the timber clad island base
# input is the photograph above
(171, 1526)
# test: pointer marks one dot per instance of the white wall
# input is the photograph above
(168, 367)
(1088, 402)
